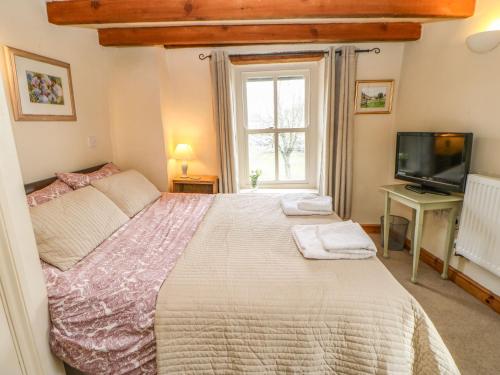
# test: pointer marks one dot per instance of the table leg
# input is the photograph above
(450, 237)
(417, 237)
(387, 212)
(412, 229)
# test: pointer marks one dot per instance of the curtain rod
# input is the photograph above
(376, 50)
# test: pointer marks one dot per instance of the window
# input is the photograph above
(276, 129)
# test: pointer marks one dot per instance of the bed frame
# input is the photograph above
(37, 185)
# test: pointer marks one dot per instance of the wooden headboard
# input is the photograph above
(37, 185)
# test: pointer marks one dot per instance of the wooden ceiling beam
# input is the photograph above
(213, 35)
(73, 12)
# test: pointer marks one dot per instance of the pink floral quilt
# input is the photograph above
(102, 309)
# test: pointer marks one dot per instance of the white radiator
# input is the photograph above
(479, 233)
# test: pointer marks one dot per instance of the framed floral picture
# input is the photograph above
(40, 87)
(374, 97)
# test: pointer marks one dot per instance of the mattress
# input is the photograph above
(242, 300)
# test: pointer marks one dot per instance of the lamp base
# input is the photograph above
(184, 169)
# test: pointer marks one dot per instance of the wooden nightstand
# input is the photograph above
(196, 184)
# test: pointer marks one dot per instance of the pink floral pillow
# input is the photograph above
(53, 191)
(80, 180)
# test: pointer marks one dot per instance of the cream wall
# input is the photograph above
(190, 118)
(446, 87)
(47, 147)
(188, 110)
(373, 137)
(136, 92)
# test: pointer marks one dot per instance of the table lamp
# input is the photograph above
(183, 152)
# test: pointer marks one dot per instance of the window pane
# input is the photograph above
(260, 103)
(261, 155)
(291, 102)
(292, 156)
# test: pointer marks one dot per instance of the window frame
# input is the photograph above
(311, 118)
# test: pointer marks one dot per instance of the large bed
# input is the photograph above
(198, 284)
(243, 300)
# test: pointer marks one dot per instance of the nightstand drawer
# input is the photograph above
(196, 184)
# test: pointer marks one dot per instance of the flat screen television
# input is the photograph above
(438, 162)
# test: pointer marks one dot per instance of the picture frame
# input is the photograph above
(41, 88)
(374, 96)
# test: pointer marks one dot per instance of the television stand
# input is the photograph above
(420, 204)
(425, 190)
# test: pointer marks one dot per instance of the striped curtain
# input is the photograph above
(339, 119)
(223, 116)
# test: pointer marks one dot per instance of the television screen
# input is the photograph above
(435, 160)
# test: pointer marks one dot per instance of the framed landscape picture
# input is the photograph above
(374, 97)
(40, 87)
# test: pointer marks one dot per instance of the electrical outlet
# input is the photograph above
(92, 141)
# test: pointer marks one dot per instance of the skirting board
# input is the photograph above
(463, 281)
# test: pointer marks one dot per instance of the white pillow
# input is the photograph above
(70, 227)
(129, 190)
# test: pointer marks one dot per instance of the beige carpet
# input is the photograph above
(470, 329)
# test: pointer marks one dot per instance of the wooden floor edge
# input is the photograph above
(472, 287)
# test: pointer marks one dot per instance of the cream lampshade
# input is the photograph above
(183, 152)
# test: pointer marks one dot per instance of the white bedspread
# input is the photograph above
(242, 300)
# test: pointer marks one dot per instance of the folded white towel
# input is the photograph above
(289, 204)
(345, 236)
(308, 243)
(323, 204)
(295, 197)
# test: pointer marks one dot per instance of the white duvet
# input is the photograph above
(243, 300)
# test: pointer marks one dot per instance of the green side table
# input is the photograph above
(421, 203)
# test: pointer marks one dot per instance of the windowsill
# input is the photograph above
(278, 191)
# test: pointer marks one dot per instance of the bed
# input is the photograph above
(237, 298)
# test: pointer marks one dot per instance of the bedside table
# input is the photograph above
(196, 184)
(420, 203)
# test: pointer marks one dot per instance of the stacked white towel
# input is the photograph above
(306, 205)
(344, 240)
(321, 204)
